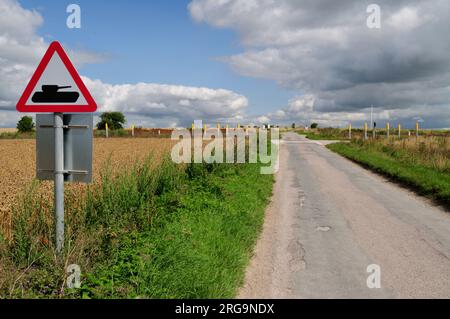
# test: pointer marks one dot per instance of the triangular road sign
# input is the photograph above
(56, 86)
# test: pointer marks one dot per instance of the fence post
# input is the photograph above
(387, 130)
(417, 129)
(365, 131)
(350, 131)
(132, 130)
(399, 130)
(106, 130)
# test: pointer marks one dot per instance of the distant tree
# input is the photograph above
(25, 124)
(314, 125)
(293, 125)
(115, 120)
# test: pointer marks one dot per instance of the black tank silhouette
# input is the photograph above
(50, 94)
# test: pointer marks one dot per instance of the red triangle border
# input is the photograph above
(23, 107)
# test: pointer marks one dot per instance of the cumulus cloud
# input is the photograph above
(170, 105)
(325, 50)
(21, 49)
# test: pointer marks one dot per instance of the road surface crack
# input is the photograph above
(297, 256)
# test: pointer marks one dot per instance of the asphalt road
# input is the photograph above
(330, 219)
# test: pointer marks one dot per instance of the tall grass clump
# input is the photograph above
(117, 204)
(156, 229)
(429, 151)
(422, 163)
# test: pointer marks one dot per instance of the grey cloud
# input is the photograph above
(324, 49)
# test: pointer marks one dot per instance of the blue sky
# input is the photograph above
(167, 63)
(155, 42)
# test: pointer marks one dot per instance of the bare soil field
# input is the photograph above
(18, 160)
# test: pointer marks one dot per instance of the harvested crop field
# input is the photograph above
(18, 160)
(7, 130)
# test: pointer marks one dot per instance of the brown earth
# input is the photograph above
(18, 165)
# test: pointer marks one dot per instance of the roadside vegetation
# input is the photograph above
(24, 129)
(17, 135)
(420, 163)
(325, 134)
(115, 121)
(330, 133)
(25, 124)
(151, 231)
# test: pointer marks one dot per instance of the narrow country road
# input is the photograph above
(330, 219)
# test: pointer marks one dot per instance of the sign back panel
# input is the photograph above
(77, 147)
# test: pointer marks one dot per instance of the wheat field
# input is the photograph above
(18, 165)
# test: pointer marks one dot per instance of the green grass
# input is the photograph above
(325, 134)
(318, 137)
(126, 133)
(397, 165)
(329, 133)
(17, 135)
(201, 246)
(162, 232)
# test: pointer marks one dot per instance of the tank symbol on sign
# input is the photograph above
(50, 94)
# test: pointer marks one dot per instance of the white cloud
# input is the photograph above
(407, 18)
(302, 104)
(144, 103)
(263, 119)
(168, 103)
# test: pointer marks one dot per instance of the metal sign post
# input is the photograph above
(63, 152)
(59, 180)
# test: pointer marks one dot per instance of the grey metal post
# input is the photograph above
(59, 181)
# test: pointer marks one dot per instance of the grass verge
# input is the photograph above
(399, 166)
(325, 134)
(152, 232)
(17, 135)
(320, 137)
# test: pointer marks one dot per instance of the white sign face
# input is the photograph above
(56, 85)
